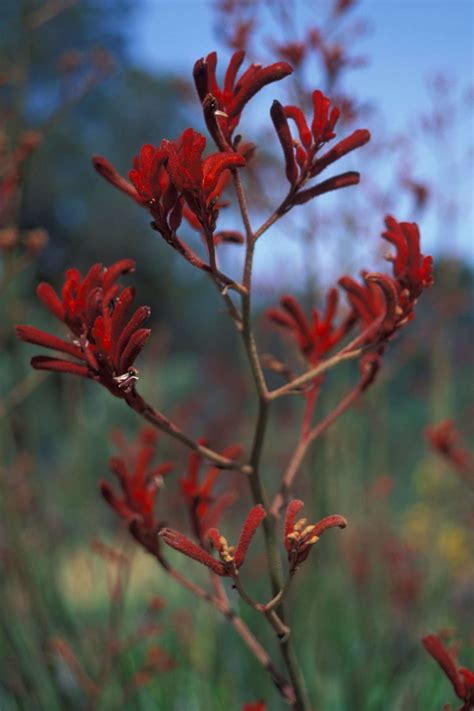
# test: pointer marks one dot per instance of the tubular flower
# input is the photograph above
(199, 181)
(204, 507)
(301, 161)
(106, 341)
(392, 299)
(317, 338)
(149, 186)
(231, 557)
(375, 304)
(462, 679)
(223, 107)
(139, 482)
(411, 269)
(172, 181)
(299, 537)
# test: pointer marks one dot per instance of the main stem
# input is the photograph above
(256, 485)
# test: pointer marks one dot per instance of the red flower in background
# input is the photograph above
(231, 557)
(299, 537)
(139, 484)
(446, 440)
(230, 101)
(106, 341)
(461, 678)
(204, 507)
(316, 338)
(255, 706)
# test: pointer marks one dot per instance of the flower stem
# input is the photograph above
(158, 420)
(301, 702)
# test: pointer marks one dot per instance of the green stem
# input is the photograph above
(256, 485)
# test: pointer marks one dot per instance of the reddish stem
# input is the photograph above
(306, 440)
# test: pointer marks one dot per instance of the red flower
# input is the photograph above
(174, 173)
(139, 482)
(150, 186)
(445, 439)
(461, 678)
(231, 557)
(368, 299)
(235, 94)
(199, 181)
(255, 706)
(205, 509)
(392, 298)
(299, 538)
(317, 338)
(411, 269)
(95, 309)
(300, 156)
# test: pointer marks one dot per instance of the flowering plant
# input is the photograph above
(174, 181)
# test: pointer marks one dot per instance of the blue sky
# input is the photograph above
(409, 40)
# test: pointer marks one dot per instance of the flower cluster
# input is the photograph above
(105, 340)
(381, 304)
(205, 508)
(461, 678)
(301, 160)
(316, 338)
(231, 557)
(139, 483)
(173, 179)
(300, 537)
(392, 298)
(223, 106)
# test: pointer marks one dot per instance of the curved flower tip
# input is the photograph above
(300, 537)
(228, 102)
(107, 171)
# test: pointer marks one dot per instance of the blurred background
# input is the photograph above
(84, 77)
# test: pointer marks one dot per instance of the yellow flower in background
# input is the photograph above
(454, 543)
(418, 523)
(430, 478)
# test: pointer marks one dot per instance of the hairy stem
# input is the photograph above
(221, 604)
